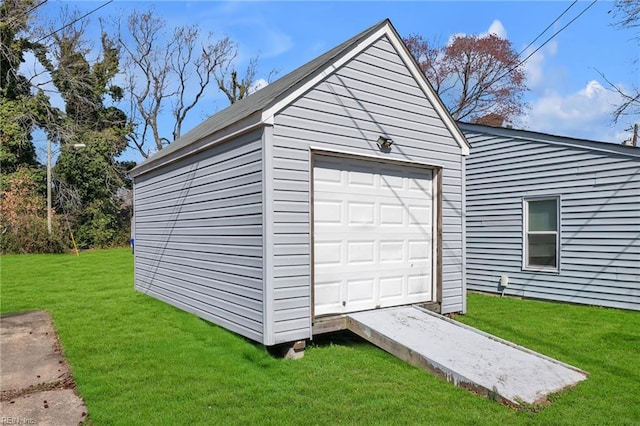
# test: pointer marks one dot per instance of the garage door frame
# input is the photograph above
(437, 213)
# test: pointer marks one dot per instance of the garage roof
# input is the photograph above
(259, 107)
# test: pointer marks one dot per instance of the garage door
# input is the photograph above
(373, 235)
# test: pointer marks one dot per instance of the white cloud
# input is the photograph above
(496, 28)
(586, 113)
(257, 85)
(534, 67)
(533, 70)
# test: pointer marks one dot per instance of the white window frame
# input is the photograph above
(525, 233)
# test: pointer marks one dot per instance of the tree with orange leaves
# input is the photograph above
(479, 78)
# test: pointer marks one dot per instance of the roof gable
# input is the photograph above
(260, 107)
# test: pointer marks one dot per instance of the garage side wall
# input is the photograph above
(370, 95)
(198, 235)
(599, 219)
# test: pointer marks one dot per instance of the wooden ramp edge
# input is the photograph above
(465, 356)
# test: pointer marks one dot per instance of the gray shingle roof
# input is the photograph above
(531, 135)
(263, 98)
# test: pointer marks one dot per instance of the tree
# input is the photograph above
(87, 180)
(20, 109)
(168, 71)
(228, 83)
(627, 16)
(23, 109)
(478, 78)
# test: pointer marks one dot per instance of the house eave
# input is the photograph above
(529, 135)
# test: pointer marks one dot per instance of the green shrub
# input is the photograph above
(23, 223)
(102, 226)
(29, 234)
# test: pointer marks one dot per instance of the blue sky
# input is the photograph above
(567, 95)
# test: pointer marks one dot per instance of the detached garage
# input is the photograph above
(338, 188)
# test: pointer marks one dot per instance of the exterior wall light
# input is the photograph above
(384, 142)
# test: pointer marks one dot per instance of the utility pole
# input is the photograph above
(634, 138)
(49, 185)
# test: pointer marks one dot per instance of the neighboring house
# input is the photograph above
(558, 217)
(283, 208)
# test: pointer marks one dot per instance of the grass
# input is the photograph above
(138, 361)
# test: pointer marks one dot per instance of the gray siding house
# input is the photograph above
(553, 217)
(337, 188)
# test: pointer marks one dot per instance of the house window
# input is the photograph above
(542, 234)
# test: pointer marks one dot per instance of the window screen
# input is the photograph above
(541, 239)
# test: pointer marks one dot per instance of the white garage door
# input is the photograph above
(373, 227)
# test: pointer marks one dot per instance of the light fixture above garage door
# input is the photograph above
(384, 142)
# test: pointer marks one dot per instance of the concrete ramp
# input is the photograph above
(465, 356)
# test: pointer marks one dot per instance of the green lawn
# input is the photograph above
(138, 361)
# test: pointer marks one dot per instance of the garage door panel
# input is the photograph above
(361, 176)
(329, 292)
(391, 214)
(391, 288)
(361, 252)
(419, 215)
(419, 186)
(388, 181)
(327, 211)
(372, 235)
(328, 253)
(392, 251)
(360, 213)
(361, 290)
(419, 250)
(328, 174)
(418, 284)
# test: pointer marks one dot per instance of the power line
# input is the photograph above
(548, 26)
(547, 41)
(75, 20)
(35, 7)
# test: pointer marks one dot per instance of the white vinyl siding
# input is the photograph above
(599, 239)
(541, 234)
(198, 235)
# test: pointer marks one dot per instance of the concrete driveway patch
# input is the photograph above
(36, 386)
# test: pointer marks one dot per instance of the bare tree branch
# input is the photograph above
(228, 83)
(630, 105)
(627, 16)
(166, 72)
